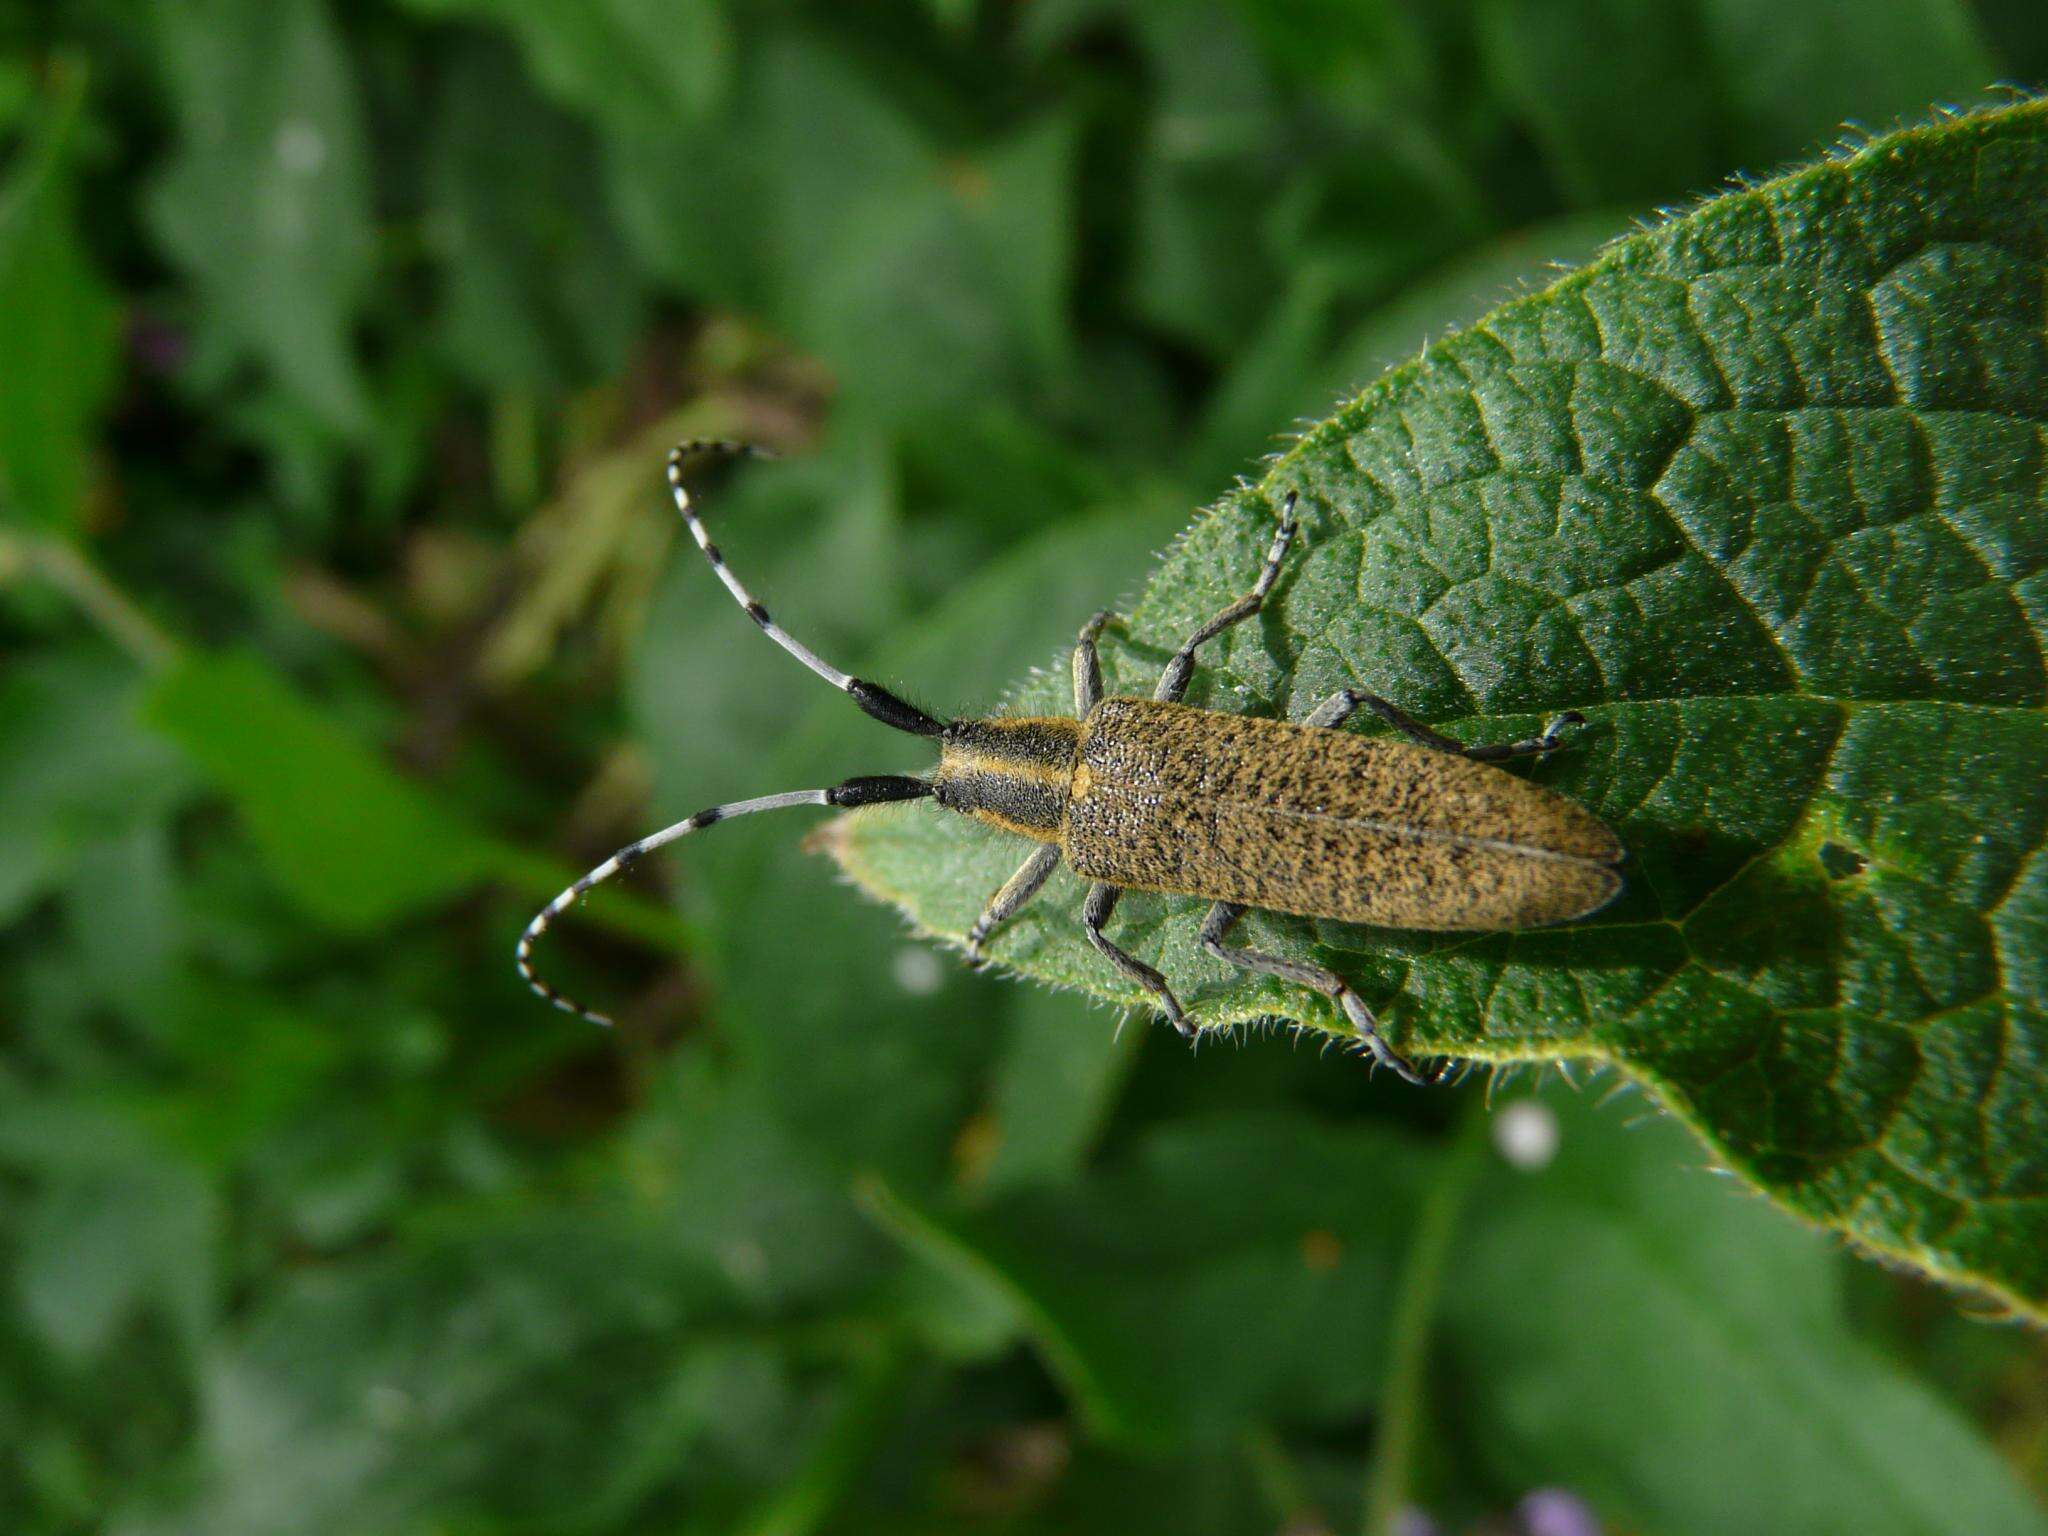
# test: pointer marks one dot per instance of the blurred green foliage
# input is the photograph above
(339, 625)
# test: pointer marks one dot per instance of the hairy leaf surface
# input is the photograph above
(1761, 492)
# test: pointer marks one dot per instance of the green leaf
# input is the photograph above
(125, 912)
(267, 204)
(692, 203)
(629, 63)
(535, 1372)
(1739, 1356)
(77, 771)
(1762, 492)
(930, 274)
(1055, 1086)
(539, 293)
(357, 844)
(731, 1191)
(115, 1220)
(1290, 372)
(940, 272)
(62, 328)
(2019, 32)
(1462, 290)
(1200, 268)
(1792, 74)
(552, 1367)
(1226, 1271)
(1761, 78)
(95, 1246)
(1573, 95)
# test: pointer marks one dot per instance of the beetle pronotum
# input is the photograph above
(1154, 795)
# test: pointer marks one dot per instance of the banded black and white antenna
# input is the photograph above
(873, 699)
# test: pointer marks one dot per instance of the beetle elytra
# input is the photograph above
(1155, 795)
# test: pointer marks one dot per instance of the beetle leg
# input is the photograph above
(1337, 708)
(1095, 912)
(1305, 973)
(1173, 682)
(1087, 669)
(1530, 746)
(1006, 903)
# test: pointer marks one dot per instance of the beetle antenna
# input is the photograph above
(873, 698)
(873, 790)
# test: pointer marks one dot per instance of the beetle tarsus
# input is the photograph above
(1030, 877)
(1102, 899)
(1338, 708)
(1383, 1054)
(1304, 973)
(1552, 738)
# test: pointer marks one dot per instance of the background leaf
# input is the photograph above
(539, 292)
(347, 836)
(61, 324)
(1887, 63)
(630, 62)
(1759, 490)
(1624, 1250)
(272, 156)
(75, 767)
(1204, 1282)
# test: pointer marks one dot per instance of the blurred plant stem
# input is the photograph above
(116, 614)
(1281, 1482)
(1415, 1299)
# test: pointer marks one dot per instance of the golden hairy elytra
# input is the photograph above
(1153, 795)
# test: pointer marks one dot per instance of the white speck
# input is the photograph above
(301, 148)
(917, 971)
(1525, 1134)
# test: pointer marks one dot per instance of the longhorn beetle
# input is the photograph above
(1153, 795)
